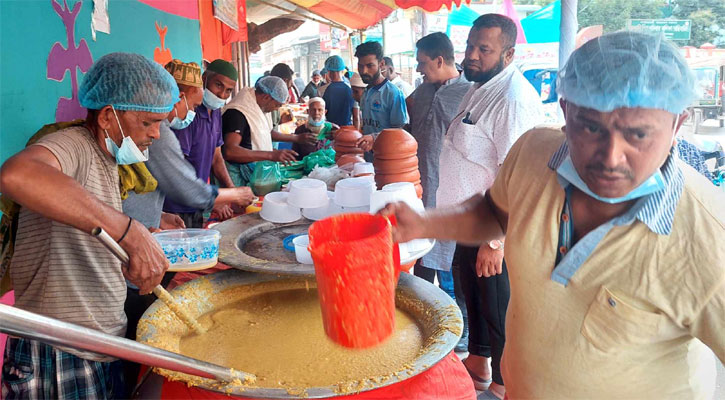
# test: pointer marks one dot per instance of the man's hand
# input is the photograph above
(489, 261)
(410, 225)
(306, 138)
(243, 197)
(222, 212)
(171, 221)
(147, 261)
(366, 142)
(284, 156)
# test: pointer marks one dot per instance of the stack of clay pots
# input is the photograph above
(346, 150)
(396, 159)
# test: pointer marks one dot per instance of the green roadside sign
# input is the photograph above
(673, 29)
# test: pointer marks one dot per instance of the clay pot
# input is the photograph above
(344, 149)
(349, 159)
(383, 166)
(384, 179)
(394, 143)
(347, 135)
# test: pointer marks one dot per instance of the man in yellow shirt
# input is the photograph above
(613, 245)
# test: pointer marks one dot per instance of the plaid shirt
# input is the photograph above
(33, 370)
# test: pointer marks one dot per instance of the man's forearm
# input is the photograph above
(220, 170)
(282, 137)
(37, 186)
(240, 155)
(473, 222)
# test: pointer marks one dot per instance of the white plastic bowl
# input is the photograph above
(354, 192)
(380, 198)
(316, 214)
(405, 187)
(307, 193)
(302, 254)
(276, 209)
(364, 168)
(189, 249)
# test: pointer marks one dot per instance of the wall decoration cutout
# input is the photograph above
(71, 59)
(162, 55)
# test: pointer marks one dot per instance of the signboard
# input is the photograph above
(332, 38)
(673, 29)
(437, 22)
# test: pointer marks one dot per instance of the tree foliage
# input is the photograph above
(707, 16)
(613, 14)
(708, 20)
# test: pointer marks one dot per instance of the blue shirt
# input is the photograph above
(338, 103)
(383, 107)
(656, 210)
(198, 143)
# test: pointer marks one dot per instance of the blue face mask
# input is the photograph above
(128, 153)
(211, 101)
(178, 123)
(317, 123)
(653, 184)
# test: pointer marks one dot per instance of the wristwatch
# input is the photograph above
(496, 245)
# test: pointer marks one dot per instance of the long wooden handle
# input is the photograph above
(159, 291)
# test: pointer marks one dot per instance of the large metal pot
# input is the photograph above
(435, 312)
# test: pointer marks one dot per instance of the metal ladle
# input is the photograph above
(159, 291)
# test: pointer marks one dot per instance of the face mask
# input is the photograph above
(317, 123)
(653, 184)
(178, 123)
(211, 101)
(128, 153)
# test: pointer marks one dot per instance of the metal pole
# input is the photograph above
(567, 29)
(21, 323)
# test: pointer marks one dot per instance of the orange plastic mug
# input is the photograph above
(356, 267)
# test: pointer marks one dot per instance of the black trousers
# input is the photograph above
(486, 303)
(193, 220)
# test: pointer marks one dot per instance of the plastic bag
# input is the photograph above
(329, 175)
(320, 158)
(266, 178)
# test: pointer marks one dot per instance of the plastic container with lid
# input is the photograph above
(189, 249)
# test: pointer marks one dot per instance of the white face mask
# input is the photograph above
(128, 153)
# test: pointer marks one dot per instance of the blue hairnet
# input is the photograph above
(627, 69)
(274, 87)
(128, 82)
(334, 63)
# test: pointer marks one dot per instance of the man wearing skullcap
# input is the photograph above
(177, 180)
(248, 132)
(613, 244)
(311, 88)
(201, 138)
(67, 183)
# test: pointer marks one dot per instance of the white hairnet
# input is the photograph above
(274, 87)
(128, 82)
(627, 69)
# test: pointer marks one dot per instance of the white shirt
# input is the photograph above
(404, 86)
(497, 112)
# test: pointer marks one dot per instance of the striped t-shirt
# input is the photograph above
(60, 271)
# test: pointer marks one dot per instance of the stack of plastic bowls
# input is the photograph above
(308, 193)
(353, 194)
